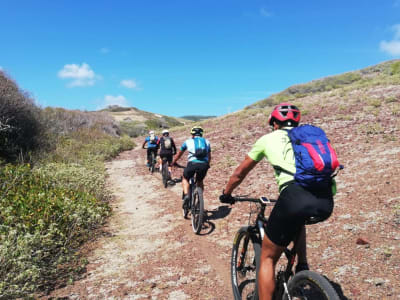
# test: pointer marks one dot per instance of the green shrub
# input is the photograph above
(42, 221)
(88, 146)
(395, 68)
(132, 128)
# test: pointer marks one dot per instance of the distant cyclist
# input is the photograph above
(152, 145)
(199, 158)
(167, 148)
(295, 203)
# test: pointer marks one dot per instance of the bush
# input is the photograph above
(133, 129)
(42, 222)
(20, 128)
(395, 68)
(88, 147)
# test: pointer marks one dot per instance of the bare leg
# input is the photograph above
(185, 186)
(301, 247)
(270, 254)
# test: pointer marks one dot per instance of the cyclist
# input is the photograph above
(295, 204)
(152, 145)
(167, 148)
(199, 158)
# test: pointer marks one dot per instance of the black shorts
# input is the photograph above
(200, 169)
(167, 156)
(294, 206)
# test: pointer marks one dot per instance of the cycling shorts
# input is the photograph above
(167, 156)
(200, 169)
(294, 206)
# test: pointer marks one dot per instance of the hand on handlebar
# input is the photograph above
(225, 198)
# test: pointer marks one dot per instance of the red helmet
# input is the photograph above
(284, 112)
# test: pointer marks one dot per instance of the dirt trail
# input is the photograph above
(150, 251)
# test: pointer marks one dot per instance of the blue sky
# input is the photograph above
(183, 57)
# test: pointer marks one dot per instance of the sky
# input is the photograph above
(186, 57)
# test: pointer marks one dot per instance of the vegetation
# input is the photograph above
(197, 118)
(382, 74)
(49, 206)
(19, 121)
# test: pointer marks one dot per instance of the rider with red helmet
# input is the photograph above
(295, 203)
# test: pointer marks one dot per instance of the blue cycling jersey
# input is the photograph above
(189, 145)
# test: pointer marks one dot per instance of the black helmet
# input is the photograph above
(197, 130)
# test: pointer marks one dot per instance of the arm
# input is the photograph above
(177, 157)
(239, 174)
(209, 158)
(144, 143)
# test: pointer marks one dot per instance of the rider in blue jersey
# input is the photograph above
(152, 145)
(199, 158)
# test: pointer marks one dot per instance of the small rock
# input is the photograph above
(362, 241)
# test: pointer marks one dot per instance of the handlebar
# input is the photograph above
(262, 200)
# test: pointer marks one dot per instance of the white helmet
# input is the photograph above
(151, 132)
(165, 131)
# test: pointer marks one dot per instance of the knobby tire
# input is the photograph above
(197, 210)
(165, 174)
(245, 261)
(311, 286)
(152, 163)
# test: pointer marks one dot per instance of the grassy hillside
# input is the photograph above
(385, 74)
(136, 122)
(361, 115)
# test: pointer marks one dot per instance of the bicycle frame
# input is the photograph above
(257, 234)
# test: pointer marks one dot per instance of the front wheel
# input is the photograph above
(197, 210)
(310, 285)
(244, 261)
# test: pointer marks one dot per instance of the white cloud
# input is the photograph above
(392, 47)
(115, 100)
(80, 75)
(129, 83)
(104, 50)
(265, 13)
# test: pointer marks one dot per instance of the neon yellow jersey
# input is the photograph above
(277, 149)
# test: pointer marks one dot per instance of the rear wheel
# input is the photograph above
(311, 286)
(244, 261)
(164, 173)
(152, 162)
(197, 209)
(185, 208)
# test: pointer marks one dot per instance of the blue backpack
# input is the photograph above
(316, 160)
(200, 148)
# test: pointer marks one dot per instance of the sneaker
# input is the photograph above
(302, 267)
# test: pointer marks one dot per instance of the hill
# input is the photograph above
(360, 111)
(136, 122)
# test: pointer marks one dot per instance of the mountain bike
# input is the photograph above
(165, 174)
(152, 162)
(245, 263)
(194, 205)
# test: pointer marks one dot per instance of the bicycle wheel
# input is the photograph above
(244, 265)
(185, 208)
(152, 162)
(310, 285)
(197, 210)
(164, 174)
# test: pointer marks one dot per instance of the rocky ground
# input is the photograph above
(150, 251)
